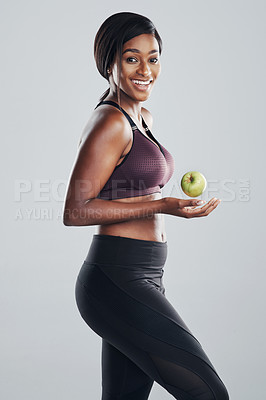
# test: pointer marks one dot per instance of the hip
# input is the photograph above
(121, 279)
(131, 264)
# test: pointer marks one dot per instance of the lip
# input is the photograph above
(142, 80)
(142, 88)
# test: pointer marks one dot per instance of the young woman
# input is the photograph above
(116, 184)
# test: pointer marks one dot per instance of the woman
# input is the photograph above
(116, 184)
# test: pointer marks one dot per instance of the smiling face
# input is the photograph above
(140, 67)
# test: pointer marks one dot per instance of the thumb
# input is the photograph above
(191, 203)
(198, 202)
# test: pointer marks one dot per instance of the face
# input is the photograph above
(140, 67)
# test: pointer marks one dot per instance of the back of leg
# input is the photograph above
(181, 373)
(121, 378)
(187, 377)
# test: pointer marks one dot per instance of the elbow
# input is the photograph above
(79, 216)
(66, 221)
(75, 222)
(69, 217)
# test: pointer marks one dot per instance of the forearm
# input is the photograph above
(103, 212)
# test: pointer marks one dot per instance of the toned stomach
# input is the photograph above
(148, 228)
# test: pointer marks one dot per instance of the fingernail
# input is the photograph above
(201, 201)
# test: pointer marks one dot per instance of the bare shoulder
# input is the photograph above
(147, 116)
(108, 122)
(102, 145)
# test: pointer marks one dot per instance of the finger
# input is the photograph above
(198, 208)
(191, 203)
(214, 205)
(210, 207)
(207, 205)
(191, 212)
(202, 211)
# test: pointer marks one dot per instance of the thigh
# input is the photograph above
(121, 377)
(156, 343)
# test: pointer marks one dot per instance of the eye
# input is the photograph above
(131, 59)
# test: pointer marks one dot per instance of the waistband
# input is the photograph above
(120, 250)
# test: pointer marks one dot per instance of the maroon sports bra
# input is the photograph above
(144, 170)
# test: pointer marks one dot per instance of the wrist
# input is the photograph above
(161, 205)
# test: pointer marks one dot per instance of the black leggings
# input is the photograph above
(120, 295)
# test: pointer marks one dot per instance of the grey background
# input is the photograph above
(209, 111)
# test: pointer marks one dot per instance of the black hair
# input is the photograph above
(111, 36)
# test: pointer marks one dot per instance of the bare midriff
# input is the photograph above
(148, 228)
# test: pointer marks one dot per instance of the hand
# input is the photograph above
(189, 208)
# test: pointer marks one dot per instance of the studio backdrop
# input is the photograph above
(209, 110)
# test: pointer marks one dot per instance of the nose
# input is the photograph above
(144, 69)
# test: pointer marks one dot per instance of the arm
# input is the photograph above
(104, 141)
(100, 151)
(102, 212)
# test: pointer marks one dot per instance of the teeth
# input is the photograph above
(141, 82)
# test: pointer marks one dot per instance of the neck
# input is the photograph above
(132, 107)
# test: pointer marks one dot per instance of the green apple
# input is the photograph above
(193, 183)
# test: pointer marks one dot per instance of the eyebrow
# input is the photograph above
(137, 51)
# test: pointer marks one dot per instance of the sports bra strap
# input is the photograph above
(112, 103)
